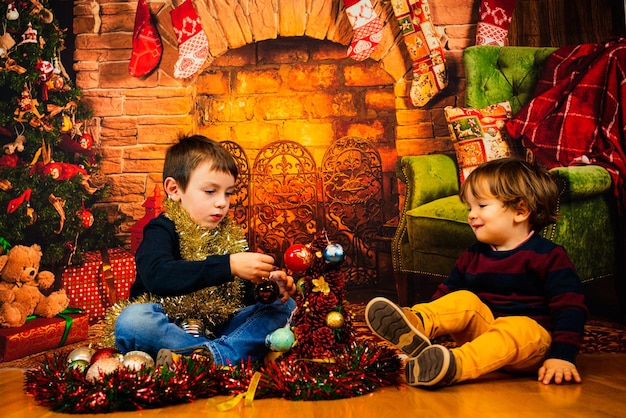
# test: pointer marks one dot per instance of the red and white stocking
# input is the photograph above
(367, 28)
(495, 17)
(193, 46)
(425, 49)
(147, 47)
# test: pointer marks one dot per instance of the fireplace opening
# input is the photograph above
(313, 133)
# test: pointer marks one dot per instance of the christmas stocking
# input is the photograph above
(495, 17)
(193, 46)
(147, 47)
(425, 49)
(367, 28)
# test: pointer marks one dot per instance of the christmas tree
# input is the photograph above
(50, 175)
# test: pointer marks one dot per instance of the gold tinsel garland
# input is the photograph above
(212, 305)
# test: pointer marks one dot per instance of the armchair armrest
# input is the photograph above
(582, 181)
(427, 178)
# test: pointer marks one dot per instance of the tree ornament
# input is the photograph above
(194, 327)
(86, 217)
(334, 319)
(102, 367)
(333, 254)
(298, 257)
(12, 13)
(266, 292)
(280, 340)
(86, 141)
(66, 123)
(80, 365)
(31, 215)
(135, 360)
(58, 204)
(26, 105)
(81, 353)
(301, 285)
(105, 352)
(7, 42)
(30, 35)
(55, 83)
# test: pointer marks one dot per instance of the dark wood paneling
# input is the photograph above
(566, 22)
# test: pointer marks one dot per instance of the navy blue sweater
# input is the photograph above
(536, 279)
(161, 271)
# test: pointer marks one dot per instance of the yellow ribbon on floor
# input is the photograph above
(248, 396)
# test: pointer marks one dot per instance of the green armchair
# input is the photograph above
(433, 230)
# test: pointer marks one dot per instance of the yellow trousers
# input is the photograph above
(485, 344)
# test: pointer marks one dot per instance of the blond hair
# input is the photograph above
(513, 181)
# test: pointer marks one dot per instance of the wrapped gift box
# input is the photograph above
(88, 287)
(41, 334)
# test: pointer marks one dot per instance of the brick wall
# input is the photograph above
(260, 57)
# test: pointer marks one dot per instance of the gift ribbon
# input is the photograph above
(248, 395)
(68, 322)
(108, 278)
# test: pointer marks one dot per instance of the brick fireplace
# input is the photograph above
(280, 91)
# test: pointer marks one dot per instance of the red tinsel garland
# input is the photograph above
(359, 369)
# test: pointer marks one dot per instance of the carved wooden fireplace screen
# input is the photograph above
(285, 198)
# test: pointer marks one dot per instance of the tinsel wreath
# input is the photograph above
(212, 305)
(356, 370)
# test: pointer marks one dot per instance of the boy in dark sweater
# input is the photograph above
(195, 252)
(513, 299)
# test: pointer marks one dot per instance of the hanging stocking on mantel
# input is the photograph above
(147, 47)
(193, 45)
(425, 49)
(495, 17)
(367, 28)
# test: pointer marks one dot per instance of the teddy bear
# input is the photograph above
(21, 283)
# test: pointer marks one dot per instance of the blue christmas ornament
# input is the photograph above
(280, 340)
(333, 254)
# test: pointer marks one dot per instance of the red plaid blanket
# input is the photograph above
(578, 112)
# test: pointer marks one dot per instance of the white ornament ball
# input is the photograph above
(103, 367)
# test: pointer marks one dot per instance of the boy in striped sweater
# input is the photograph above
(513, 300)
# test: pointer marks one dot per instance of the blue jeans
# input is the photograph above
(146, 327)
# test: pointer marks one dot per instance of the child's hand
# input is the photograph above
(286, 286)
(560, 370)
(255, 267)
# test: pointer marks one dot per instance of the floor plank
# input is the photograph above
(496, 395)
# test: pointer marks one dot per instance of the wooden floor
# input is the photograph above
(602, 394)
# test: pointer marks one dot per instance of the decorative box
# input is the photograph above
(41, 334)
(96, 285)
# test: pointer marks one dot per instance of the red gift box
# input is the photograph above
(41, 334)
(95, 286)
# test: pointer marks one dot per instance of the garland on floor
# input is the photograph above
(357, 370)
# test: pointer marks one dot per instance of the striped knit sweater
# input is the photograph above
(536, 279)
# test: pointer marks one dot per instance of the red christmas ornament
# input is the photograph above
(298, 257)
(86, 141)
(85, 216)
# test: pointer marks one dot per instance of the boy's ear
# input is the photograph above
(523, 213)
(171, 189)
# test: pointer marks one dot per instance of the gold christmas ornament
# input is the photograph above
(334, 319)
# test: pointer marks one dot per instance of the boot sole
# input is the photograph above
(429, 368)
(387, 321)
